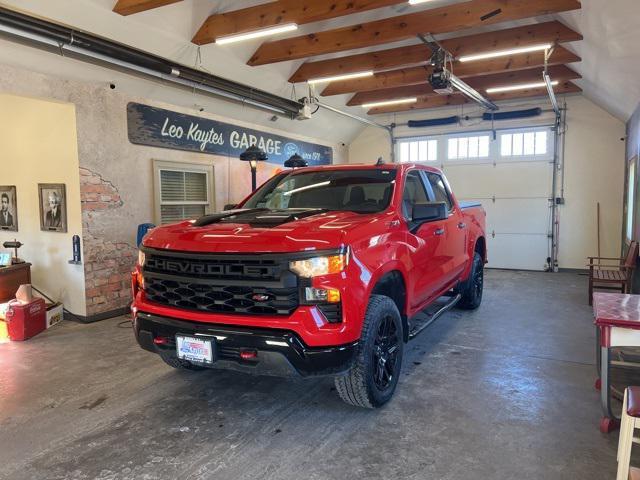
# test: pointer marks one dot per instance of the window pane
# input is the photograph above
(541, 143)
(422, 152)
(413, 152)
(453, 148)
(473, 147)
(195, 186)
(177, 213)
(529, 143)
(483, 151)
(433, 150)
(505, 147)
(172, 186)
(517, 144)
(463, 148)
(404, 152)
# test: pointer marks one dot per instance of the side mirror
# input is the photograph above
(429, 212)
(230, 206)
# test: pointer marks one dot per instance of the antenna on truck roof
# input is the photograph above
(380, 161)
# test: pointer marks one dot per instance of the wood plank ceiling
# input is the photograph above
(402, 72)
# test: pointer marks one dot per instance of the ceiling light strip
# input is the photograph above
(504, 53)
(390, 102)
(265, 32)
(522, 86)
(339, 78)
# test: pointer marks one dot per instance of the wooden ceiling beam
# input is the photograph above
(458, 99)
(416, 55)
(129, 7)
(450, 18)
(281, 12)
(418, 75)
(561, 56)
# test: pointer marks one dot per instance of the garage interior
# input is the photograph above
(119, 117)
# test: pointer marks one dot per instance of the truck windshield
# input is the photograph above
(362, 191)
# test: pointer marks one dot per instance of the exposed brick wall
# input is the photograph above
(107, 264)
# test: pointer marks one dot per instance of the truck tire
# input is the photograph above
(178, 364)
(372, 379)
(471, 289)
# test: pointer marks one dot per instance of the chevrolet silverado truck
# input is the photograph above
(321, 271)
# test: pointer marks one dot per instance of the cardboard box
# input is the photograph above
(54, 314)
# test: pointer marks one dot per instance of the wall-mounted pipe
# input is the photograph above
(87, 47)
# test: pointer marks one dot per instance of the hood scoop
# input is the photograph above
(259, 217)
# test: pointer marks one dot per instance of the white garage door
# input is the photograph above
(511, 176)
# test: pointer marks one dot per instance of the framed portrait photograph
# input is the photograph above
(53, 207)
(8, 208)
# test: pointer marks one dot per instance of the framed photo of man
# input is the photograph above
(8, 208)
(53, 207)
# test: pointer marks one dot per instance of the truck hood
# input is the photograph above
(259, 231)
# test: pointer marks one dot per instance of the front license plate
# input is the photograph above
(195, 349)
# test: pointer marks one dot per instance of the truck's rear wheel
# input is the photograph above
(372, 379)
(179, 364)
(471, 289)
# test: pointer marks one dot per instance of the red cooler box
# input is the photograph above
(26, 320)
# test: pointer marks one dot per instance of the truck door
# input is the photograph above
(425, 243)
(454, 240)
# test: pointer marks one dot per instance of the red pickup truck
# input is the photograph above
(321, 271)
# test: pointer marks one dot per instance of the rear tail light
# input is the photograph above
(161, 340)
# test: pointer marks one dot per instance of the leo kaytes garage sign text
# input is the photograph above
(157, 127)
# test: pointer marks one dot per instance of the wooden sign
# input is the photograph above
(157, 127)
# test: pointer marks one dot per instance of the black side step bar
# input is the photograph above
(421, 326)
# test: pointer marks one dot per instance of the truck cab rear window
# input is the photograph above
(362, 191)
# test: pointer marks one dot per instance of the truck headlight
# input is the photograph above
(314, 267)
(141, 258)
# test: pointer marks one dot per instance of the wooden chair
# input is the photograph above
(609, 273)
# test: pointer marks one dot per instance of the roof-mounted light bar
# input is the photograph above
(265, 32)
(386, 103)
(504, 53)
(340, 78)
(521, 86)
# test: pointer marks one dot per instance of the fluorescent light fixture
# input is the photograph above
(522, 86)
(504, 53)
(338, 78)
(265, 32)
(389, 102)
(417, 2)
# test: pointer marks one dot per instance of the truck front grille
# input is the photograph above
(214, 283)
(222, 299)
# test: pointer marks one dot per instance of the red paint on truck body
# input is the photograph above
(378, 243)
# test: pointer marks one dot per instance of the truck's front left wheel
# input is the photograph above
(372, 379)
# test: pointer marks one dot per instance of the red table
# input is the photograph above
(617, 319)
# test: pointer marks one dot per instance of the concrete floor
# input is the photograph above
(501, 393)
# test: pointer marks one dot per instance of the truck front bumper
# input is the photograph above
(278, 352)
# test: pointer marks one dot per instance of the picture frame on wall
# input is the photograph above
(8, 208)
(53, 207)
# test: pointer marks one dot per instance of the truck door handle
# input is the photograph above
(462, 225)
(439, 231)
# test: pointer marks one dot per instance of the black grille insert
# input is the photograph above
(222, 299)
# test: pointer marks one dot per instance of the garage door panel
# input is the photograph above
(520, 252)
(516, 216)
(506, 180)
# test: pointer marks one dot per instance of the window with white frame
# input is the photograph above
(463, 148)
(182, 191)
(424, 150)
(524, 144)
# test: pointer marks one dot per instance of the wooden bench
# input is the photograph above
(609, 273)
